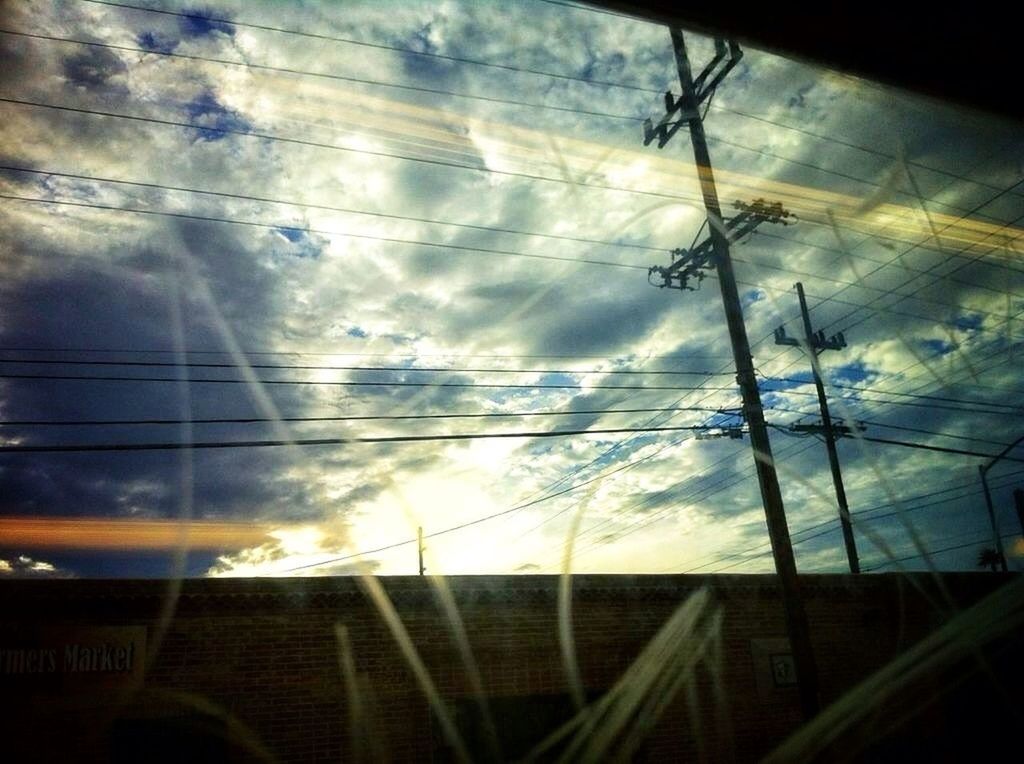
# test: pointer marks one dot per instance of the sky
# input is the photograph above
(355, 222)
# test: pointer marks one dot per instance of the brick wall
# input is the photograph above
(254, 663)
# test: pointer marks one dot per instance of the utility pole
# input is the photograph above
(686, 109)
(419, 546)
(1018, 501)
(996, 537)
(983, 471)
(815, 343)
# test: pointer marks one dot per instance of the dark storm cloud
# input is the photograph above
(71, 303)
(68, 303)
(157, 42)
(95, 69)
(204, 22)
(427, 68)
(601, 326)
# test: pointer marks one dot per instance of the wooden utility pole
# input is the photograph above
(814, 343)
(694, 93)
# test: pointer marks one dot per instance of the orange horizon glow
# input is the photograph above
(113, 533)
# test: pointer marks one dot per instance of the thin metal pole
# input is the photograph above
(771, 494)
(419, 546)
(830, 437)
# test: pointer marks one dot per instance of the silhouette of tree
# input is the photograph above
(988, 557)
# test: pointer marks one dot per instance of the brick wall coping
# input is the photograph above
(313, 592)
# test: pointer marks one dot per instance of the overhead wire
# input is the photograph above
(490, 229)
(319, 367)
(323, 75)
(307, 230)
(538, 72)
(202, 129)
(198, 445)
(338, 418)
(859, 516)
(350, 383)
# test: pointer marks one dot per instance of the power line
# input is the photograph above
(345, 418)
(310, 367)
(899, 265)
(856, 513)
(922, 446)
(479, 520)
(438, 91)
(380, 46)
(747, 555)
(334, 147)
(943, 449)
(331, 208)
(622, 468)
(368, 237)
(939, 551)
(201, 445)
(960, 487)
(933, 267)
(349, 383)
(875, 423)
(490, 229)
(883, 292)
(898, 258)
(691, 497)
(922, 431)
(860, 401)
(165, 351)
(857, 147)
(917, 396)
(307, 73)
(538, 72)
(612, 449)
(592, 9)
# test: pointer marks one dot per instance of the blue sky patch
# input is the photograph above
(800, 379)
(207, 111)
(607, 68)
(938, 347)
(851, 372)
(557, 379)
(424, 66)
(357, 331)
(968, 322)
(292, 234)
(752, 296)
(157, 42)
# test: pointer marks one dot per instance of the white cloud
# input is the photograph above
(24, 566)
(95, 278)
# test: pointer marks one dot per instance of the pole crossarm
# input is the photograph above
(733, 433)
(693, 263)
(676, 115)
(839, 429)
(819, 342)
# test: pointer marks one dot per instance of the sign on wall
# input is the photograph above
(69, 658)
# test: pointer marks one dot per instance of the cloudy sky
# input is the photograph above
(379, 223)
